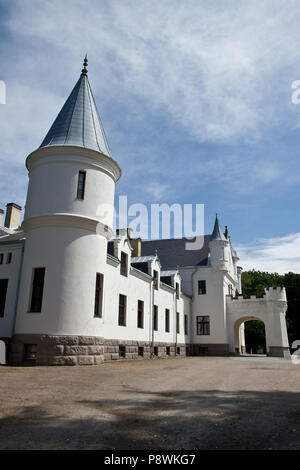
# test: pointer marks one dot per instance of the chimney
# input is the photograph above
(1, 216)
(13, 215)
(136, 244)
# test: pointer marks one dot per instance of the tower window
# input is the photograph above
(81, 185)
(177, 291)
(9, 258)
(3, 291)
(140, 320)
(203, 325)
(124, 264)
(201, 287)
(167, 320)
(155, 317)
(98, 295)
(122, 310)
(37, 290)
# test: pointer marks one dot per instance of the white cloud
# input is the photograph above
(280, 254)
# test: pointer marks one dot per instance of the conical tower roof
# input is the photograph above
(217, 231)
(78, 122)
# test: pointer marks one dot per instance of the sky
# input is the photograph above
(195, 98)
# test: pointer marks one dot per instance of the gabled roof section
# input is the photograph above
(78, 123)
(175, 252)
(217, 232)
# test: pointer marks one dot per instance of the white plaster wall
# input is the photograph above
(72, 257)
(10, 272)
(53, 189)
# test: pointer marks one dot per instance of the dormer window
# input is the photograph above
(124, 264)
(155, 279)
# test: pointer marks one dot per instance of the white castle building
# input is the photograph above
(73, 292)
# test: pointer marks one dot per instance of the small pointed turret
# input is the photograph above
(217, 231)
(78, 123)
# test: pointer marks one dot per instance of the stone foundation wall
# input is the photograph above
(58, 350)
(113, 349)
(74, 350)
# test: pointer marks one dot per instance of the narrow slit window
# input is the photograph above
(37, 290)
(9, 258)
(81, 185)
(1, 258)
(177, 323)
(98, 295)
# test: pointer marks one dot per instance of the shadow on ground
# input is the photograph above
(162, 420)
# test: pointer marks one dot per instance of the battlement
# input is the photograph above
(271, 294)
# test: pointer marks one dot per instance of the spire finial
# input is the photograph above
(84, 71)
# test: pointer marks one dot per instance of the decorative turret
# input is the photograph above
(218, 248)
(68, 221)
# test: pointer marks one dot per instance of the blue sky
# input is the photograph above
(195, 99)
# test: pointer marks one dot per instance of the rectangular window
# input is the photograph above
(177, 291)
(9, 258)
(155, 317)
(140, 319)
(178, 351)
(168, 353)
(81, 185)
(1, 258)
(167, 318)
(155, 351)
(185, 324)
(122, 310)
(98, 295)
(155, 282)
(203, 327)
(37, 290)
(30, 352)
(140, 351)
(3, 291)
(201, 287)
(124, 264)
(177, 323)
(122, 352)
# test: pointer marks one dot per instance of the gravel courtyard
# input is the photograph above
(188, 403)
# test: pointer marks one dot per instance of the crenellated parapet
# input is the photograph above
(271, 294)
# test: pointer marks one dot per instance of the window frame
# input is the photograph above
(36, 284)
(81, 185)
(98, 307)
(122, 314)
(140, 314)
(202, 290)
(203, 325)
(167, 320)
(155, 317)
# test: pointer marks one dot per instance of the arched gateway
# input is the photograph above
(270, 309)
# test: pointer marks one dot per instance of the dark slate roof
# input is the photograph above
(78, 123)
(173, 252)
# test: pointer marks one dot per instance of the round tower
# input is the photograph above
(68, 220)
